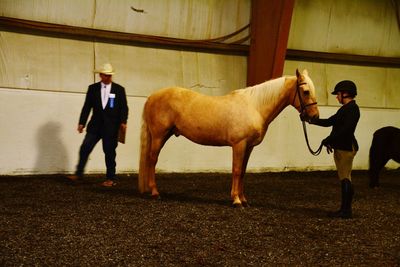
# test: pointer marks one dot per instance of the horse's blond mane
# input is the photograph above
(262, 93)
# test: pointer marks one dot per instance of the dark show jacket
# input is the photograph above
(105, 122)
(344, 124)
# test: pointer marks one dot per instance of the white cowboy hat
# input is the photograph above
(107, 69)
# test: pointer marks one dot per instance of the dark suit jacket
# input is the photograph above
(104, 122)
(344, 124)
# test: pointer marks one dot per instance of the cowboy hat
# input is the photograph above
(106, 69)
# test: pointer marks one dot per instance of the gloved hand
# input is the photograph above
(326, 143)
(312, 120)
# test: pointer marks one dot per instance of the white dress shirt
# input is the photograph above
(105, 94)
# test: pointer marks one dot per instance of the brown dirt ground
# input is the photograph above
(47, 221)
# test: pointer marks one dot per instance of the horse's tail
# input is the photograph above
(145, 143)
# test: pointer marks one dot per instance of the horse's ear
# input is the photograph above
(305, 72)
(297, 73)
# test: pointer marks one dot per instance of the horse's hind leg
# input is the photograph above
(377, 160)
(376, 165)
(156, 145)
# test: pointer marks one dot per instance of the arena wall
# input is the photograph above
(43, 80)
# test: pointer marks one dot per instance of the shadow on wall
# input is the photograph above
(52, 155)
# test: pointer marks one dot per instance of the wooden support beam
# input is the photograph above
(344, 59)
(72, 32)
(89, 34)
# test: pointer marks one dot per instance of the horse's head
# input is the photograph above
(305, 100)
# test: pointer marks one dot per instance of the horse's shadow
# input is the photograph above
(193, 197)
(188, 197)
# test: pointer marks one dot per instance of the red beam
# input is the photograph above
(270, 25)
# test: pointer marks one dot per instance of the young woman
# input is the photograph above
(342, 141)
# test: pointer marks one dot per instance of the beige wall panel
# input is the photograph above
(392, 89)
(66, 65)
(141, 70)
(191, 19)
(35, 62)
(144, 70)
(213, 74)
(309, 26)
(377, 87)
(69, 12)
(369, 81)
(188, 19)
(366, 27)
(219, 74)
(363, 27)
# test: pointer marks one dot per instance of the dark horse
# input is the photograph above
(385, 146)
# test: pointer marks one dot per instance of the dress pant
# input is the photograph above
(110, 144)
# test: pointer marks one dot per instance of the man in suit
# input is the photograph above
(107, 101)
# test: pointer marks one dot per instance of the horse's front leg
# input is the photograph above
(241, 180)
(238, 155)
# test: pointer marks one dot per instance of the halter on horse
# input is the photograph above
(239, 119)
(303, 106)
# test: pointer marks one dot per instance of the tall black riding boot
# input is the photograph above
(345, 211)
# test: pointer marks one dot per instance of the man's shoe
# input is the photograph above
(108, 183)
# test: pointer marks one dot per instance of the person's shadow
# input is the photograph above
(52, 156)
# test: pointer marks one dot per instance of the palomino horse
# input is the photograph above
(239, 119)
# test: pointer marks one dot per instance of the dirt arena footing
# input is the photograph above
(49, 221)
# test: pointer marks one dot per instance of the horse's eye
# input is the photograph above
(306, 93)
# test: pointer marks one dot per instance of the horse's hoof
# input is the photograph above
(245, 204)
(156, 197)
(237, 205)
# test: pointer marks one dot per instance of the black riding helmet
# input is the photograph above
(345, 86)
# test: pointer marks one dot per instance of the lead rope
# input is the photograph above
(318, 151)
(302, 106)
